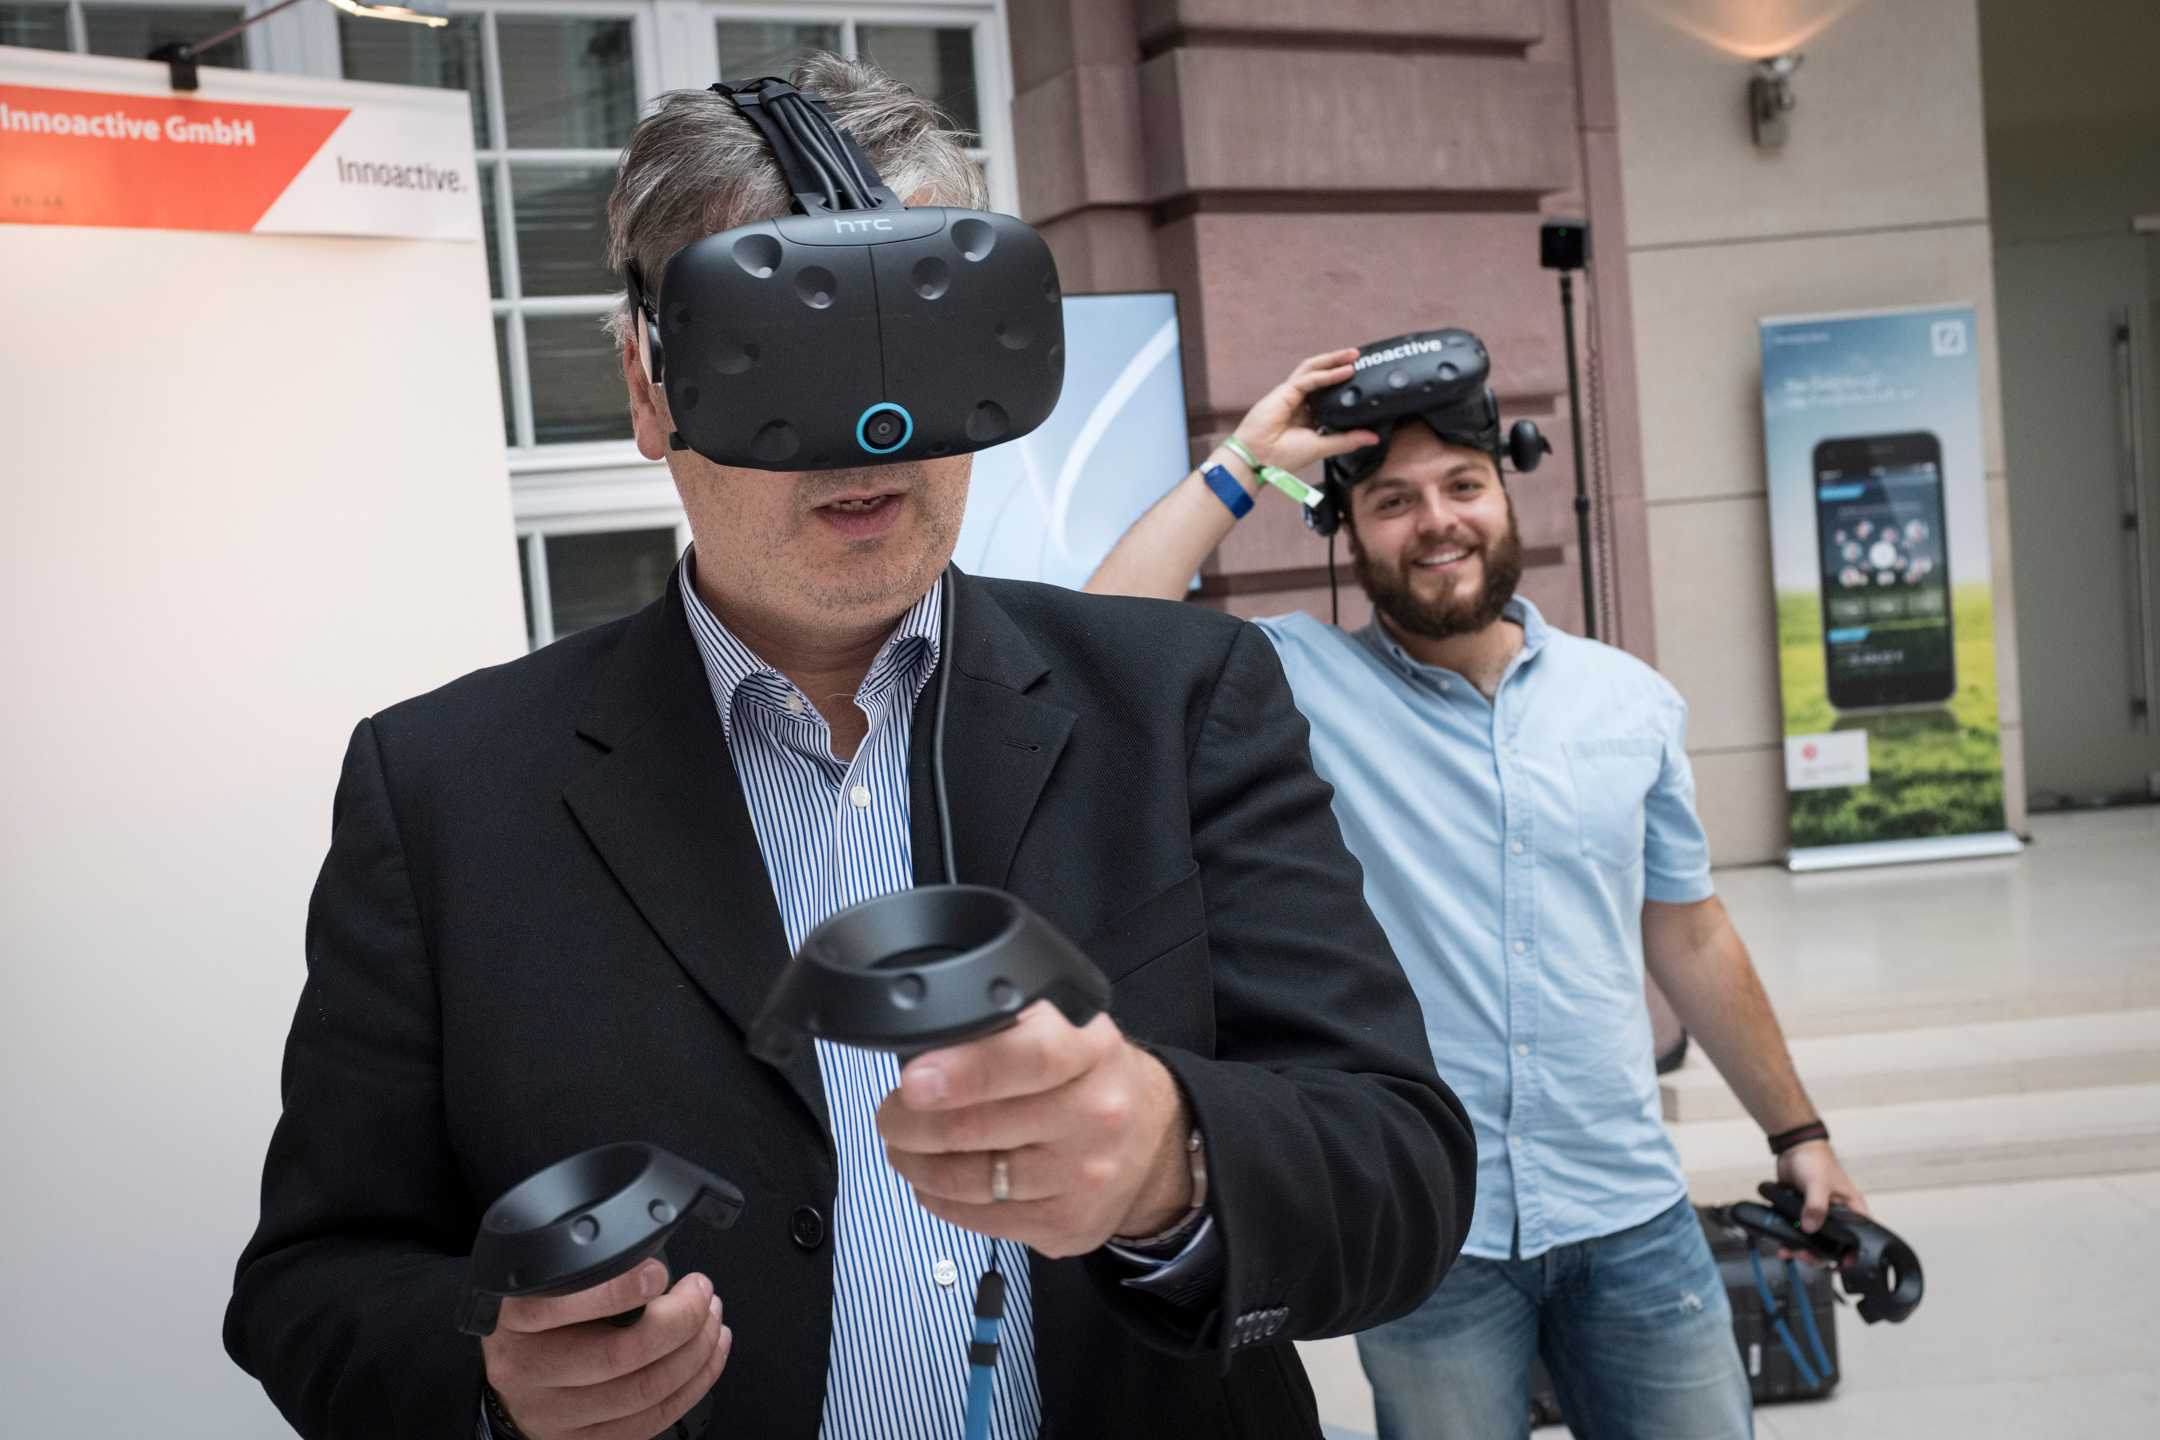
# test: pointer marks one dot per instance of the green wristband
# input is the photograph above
(1282, 480)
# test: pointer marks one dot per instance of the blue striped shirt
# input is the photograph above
(835, 833)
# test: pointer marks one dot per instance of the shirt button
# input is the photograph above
(794, 704)
(1503, 752)
(945, 1273)
(1515, 1140)
(1446, 684)
(859, 797)
(806, 1227)
(1516, 847)
(1522, 1049)
(1520, 947)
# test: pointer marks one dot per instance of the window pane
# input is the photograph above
(593, 579)
(502, 376)
(577, 382)
(562, 228)
(133, 31)
(487, 230)
(444, 58)
(749, 49)
(567, 84)
(37, 27)
(936, 62)
(525, 585)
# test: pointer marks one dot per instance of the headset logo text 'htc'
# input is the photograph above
(846, 226)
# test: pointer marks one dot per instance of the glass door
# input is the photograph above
(2081, 418)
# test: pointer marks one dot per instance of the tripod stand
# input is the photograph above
(1564, 245)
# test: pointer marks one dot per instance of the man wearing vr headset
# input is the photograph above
(559, 891)
(1522, 805)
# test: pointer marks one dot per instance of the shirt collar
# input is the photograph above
(1536, 633)
(908, 658)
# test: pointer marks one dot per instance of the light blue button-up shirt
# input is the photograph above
(1508, 848)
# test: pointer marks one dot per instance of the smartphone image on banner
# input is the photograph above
(1885, 571)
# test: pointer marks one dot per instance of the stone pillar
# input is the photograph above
(1309, 174)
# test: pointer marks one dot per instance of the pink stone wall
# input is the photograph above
(1309, 174)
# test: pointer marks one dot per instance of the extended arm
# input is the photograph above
(1158, 557)
(1698, 960)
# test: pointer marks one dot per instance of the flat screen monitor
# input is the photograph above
(1049, 505)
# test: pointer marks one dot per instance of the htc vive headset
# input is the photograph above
(1437, 376)
(855, 331)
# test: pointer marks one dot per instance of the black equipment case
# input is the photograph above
(1771, 1371)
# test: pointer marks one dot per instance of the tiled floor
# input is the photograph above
(2071, 924)
(2038, 1322)
(2040, 1318)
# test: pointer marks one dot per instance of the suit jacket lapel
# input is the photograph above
(1000, 745)
(665, 810)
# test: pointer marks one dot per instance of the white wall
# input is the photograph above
(255, 488)
(1878, 199)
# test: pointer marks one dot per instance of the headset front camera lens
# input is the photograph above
(884, 428)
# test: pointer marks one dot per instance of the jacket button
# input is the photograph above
(806, 1227)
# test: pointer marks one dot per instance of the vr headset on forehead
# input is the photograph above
(855, 331)
(1436, 376)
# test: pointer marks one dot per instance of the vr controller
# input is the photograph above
(918, 969)
(1875, 1265)
(583, 1221)
(855, 331)
(1437, 376)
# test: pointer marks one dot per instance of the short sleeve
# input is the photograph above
(1281, 630)
(1296, 638)
(1676, 853)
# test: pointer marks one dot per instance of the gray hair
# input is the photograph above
(695, 167)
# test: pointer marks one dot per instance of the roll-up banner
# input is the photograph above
(86, 140)
(1886, 636)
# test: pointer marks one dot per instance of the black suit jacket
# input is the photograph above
(544, 924)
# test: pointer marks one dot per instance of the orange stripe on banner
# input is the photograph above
(87, 157)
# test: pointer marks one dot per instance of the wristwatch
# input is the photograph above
(500, 1425)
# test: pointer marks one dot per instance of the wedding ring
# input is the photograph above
(1000, 1176)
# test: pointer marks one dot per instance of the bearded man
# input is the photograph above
(1522, 805)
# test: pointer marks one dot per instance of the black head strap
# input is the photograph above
(825, 169)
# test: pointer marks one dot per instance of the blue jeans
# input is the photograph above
(1634, 1327)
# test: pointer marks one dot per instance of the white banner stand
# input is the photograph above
(256, 489)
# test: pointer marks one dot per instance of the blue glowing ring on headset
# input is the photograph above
(907, 433)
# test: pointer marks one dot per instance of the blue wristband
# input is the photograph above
(1227, 490)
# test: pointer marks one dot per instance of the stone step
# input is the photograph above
(2096, 1130)
(2003, 1057)
(1867, 1008)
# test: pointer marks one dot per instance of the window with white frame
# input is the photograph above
(556, 86)
(128, 30)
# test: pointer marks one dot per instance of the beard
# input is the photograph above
(1393, 594)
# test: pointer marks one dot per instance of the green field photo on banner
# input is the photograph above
(1935, 771)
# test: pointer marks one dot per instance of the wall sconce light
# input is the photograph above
(1770, 97)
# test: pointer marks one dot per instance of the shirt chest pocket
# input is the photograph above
(1612, 779)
